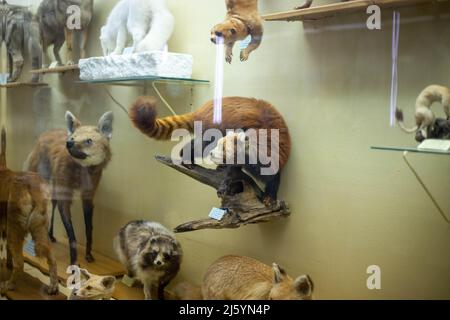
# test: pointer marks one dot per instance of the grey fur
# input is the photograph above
(151, 254)
(20, 31)
(52, 16)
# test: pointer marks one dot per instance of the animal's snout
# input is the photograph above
(158, 263)
(70, 144)
(213, 39)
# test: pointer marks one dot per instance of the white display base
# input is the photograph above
(435, 145)
(155, 63)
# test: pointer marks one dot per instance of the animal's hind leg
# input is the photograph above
(271, 190)
(69, 42)
(17, 61)
(257, 34)
(43, 249)
(64, 210)
(59, 41)
(84, 35)
(52, 221)
(15, 245)
(88, 209)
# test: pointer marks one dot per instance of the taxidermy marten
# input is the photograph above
(24, 195)
(150, 253)
(238, 114)
(308, 4)
(427, 126)
(73, 159)
(94, 287)
(242, 20)
(244, 278)
(149, 22)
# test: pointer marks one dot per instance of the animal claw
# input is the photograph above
(90, 258)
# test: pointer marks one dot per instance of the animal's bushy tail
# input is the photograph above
(144, 117)
(3, 149)
(400, 119)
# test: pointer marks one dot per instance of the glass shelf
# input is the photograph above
(410, 149)
(145, 78)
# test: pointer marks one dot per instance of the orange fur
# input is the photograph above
(237, 113)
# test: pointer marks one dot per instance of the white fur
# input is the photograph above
(149, 22)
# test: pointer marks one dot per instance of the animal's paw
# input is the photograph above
(52, 290)
(52, 239)
(244, 55)
(90, 258)
(70, 63)
(229, 58)
(10, 285)
(269, 202)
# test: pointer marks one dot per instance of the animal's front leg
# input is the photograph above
(66, 217)
(229, 52)
(52, 221)
(271, 190)
(15, 244)
(84, 40)
(68, 34)
(16, 64)
(88, 209)
(150, 290)
(257, 34)
(121, 41)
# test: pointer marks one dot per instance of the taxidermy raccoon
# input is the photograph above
(150, 253)
(53, 18)
(71, 160)
(244, 278)
(237, 113)
(94, 287)
(242, 20)
(308, 4)
(427, 126)
(149, 22)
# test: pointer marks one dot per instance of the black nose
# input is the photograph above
(158, 263)
(219, 34)
(70, 144)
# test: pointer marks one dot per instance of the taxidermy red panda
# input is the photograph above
(238, 114)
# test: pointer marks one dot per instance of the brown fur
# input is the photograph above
(237, 113)
(58, 165)
(187, 291)
(242, 20)
(308, 4)
(243, 278)
(26, 199)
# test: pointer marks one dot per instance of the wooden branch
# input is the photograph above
(243, 208)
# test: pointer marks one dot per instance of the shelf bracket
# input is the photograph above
(436, 204)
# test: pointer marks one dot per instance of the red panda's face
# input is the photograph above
(228, 147)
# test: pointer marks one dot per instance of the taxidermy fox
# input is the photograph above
(308, 4)
(25, 197)
(244, 278)
(148, 21)
(237, 113)
(73, 160)
(94, 287)
(427, 126)
(242, 20)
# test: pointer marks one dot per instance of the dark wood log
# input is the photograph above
(243, 208)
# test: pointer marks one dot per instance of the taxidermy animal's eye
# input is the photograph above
(166, 256)
(89, 288)
(233, 31)
(88, 142)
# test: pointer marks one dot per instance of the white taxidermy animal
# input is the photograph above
(149, 22)
(425, 118)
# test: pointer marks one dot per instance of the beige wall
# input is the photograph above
(351, 207)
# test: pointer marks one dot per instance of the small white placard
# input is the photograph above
(217, 214)
(4, 78)
(435, 145)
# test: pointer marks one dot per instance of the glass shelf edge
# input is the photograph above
(409, 149)
(138, 79)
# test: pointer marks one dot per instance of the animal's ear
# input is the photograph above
(72, 122)
(279, 273)
(105, 124)
(233, 31)
(304, 285)
(108, 282)
(85, 274)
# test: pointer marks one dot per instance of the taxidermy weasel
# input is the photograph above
(24, 195)
(53, 17)
(427, 126)
(73, 159)
(308, 4)
(150, 253)
(237, 112)
(244, 278)
(148, 21)
(242, 20)
(94, 287)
